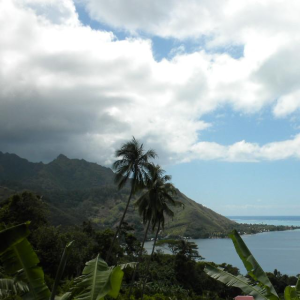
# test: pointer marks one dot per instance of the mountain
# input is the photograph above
(76, 190)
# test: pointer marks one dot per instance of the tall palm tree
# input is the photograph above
(155, 204)
(161, 198)
(133, 164)
(146, 210)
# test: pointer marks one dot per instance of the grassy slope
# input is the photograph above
(196, 220)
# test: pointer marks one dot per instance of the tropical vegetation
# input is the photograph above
(65, 261)
(171, 276)
(20, 262)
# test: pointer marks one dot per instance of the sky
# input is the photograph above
(212, 85)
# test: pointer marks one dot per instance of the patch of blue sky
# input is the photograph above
(229, 127)
(163, 48)
(235, 51)
(167, 48)
(87, 21)
(218, 184)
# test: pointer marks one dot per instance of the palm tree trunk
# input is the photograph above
(155, 240)
(148, 265)
(121, 222)
(139, 259)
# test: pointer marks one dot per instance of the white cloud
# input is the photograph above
(268, 31)
(53, 11)
(221, 20)
(68, 88)
(287, 104)
(247, 152)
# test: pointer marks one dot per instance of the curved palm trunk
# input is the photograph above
(148, 265)
(139, 259)
(121, 222)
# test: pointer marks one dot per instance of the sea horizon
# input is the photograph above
(267, 220)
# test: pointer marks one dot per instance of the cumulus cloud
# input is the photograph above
(247, 152)
(221, 20)
(68, 88)
(268, 32)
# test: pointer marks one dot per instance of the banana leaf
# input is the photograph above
(258, 292)
(65, 296)
(290, 293)
(10, 287)
(297, 287)
(250, 263)
(13, 235)
(61, 269)
(130, 265)
(19, 260)
(97, 281)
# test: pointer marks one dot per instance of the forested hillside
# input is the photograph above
(76, 190)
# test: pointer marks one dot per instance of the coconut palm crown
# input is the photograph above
(133, 162)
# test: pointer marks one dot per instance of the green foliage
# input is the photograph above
(20, 261)
(24, 207)
(184, 247)
(61, 269)
(280, 281)
(132, 245)
(258, 292)
(133, 161)
(12, 236)
(12, 287)
(254, 269)
(97, 281)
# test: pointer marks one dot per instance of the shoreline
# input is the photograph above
(244, 229)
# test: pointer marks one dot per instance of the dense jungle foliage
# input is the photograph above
(177, 276)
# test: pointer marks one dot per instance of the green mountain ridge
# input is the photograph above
(76, 190)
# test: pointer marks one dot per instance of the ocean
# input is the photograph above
(269, 220)
(273, 250)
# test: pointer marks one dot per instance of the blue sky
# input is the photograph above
(211, 85)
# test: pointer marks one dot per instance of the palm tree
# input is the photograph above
(146, 210)
(161, 197)
(155, 204)
(133, 164)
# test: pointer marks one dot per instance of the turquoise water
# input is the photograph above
(273, 250)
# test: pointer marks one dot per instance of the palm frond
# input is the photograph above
(151, 154)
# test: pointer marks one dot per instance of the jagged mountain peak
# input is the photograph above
(77, 190)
